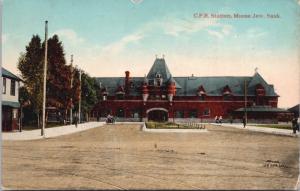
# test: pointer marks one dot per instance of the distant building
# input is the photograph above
(295, 110)
(161, 97)
(10, 101)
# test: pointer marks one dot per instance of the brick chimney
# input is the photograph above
(127, 82)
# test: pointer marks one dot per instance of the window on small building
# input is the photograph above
(206, 112)
(193, 114)
(13, 88)
(4, 86)
(120, 112)
(179, 114)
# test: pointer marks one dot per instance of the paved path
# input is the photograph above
(49, 132)
(287, 132)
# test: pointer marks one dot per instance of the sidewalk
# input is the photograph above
(49, 132)
(287, 132)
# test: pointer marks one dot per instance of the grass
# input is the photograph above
(171, 125)
(275, 126)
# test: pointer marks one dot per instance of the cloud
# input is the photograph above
(255, 33)
(69, 35)
(219, 35)
(176, 27)
(170, 26)
(118, 46)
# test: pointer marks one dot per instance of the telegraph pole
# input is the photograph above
(245, 106)
(79, 110)
(45, 78)
(71, 109)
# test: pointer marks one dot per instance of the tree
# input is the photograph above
(59, 77)
(89, 92)
(31, 66)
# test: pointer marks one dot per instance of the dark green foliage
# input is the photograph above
(31, 66)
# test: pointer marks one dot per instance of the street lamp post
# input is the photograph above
(71, 109)
(245, 106)
(79, 107)
(45, 77)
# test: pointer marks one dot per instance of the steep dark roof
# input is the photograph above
(295, 109)
(112, 84)
(160, 67)
(8, 74)
(258, 79)
(188, 86)
(262, 109)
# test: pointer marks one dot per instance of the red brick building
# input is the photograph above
(160, 96)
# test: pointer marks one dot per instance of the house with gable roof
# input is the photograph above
(10, 101)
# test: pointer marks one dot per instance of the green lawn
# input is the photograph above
(276, 126)
(171, 125)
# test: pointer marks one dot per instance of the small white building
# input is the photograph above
(10, 101)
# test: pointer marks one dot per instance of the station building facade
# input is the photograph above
(160, 96)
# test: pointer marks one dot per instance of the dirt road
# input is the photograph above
(124, 157)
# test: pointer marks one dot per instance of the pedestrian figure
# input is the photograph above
(216, 119)
(244, 122)
(76, 121)
(298, 124)
(220, 119)
(231, 120)
(294, 125)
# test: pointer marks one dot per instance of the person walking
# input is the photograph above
(220, 119)
(76, 121)
(216, 119)
(294, 125)
(244, 122)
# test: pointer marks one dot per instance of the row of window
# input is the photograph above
(192, 113)
(12, 87)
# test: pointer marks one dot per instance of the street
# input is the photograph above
(124, 157)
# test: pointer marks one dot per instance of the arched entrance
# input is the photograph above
(157, 114)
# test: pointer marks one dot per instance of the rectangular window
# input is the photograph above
(206, 112)
(4, 86)
(179, 114)
(193, 114)
(13, 88)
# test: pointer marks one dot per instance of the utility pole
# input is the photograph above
(45, 78)
(71, 109)
(79, 110)
(245, 106)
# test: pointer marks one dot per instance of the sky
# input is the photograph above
(108, 37)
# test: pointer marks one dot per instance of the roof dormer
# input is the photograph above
(201, 91)
(260, 90)
(227, 90)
